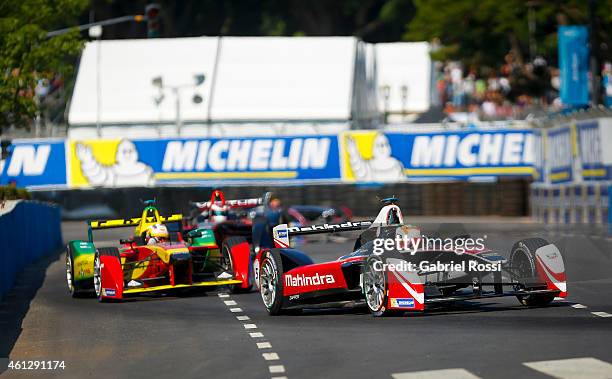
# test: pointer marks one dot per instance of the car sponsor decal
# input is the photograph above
(402, 303)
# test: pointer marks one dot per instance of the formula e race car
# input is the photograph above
(408, 274)
(158, 257)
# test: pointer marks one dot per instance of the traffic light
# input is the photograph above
(153, 25)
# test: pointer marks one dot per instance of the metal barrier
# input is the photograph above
(28, 232)
(573, 203)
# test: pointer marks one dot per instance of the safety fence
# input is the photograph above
(28, 231)
(572, 171)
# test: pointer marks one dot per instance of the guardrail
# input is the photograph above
(28, 231)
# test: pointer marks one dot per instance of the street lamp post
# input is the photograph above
(95, 32)
(176, 91)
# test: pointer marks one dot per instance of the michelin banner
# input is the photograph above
(123, 162)
(371, 156)
(34, 163)
(356, 156)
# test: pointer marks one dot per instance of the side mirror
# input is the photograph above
(126, 241)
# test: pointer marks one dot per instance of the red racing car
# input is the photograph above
(397, 280)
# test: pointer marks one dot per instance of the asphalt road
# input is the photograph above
(231, 336)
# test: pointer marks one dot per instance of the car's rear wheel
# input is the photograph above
(374, 288)
(270, 283)
(97, 277)
(523, 263)
(73, 287)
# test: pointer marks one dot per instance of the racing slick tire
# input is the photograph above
(374, 287)
(270, 287)
(523, 261)
(103, 251)
(228, 263)
(76, 290)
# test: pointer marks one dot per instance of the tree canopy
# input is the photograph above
(27, 55)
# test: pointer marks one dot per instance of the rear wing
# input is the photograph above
(282, 232)
(125, 222)
(238, 203)
(218, 198)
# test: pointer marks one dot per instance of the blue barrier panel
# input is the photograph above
(28, 232)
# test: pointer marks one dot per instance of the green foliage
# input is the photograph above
(13, 193)
(482, 32)
(27, 55)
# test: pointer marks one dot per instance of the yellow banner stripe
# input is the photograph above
(468, 171)
(594, 172)
(559, 176)
(168, 286)
(226, 175)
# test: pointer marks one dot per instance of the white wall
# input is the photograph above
(284, 78)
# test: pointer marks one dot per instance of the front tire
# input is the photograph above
(374, 288)
(523, 263)
(270, 281)
(103, 251)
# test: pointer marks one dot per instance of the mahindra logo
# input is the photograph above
(348, 224)
(303, 280)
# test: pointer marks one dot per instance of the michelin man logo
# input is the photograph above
(126, 171)
(382, 167)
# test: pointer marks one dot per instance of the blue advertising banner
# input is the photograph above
(559, 154)
(574, 64)
(147, 162)
(371, 156)
(591, 149)
(35, 163)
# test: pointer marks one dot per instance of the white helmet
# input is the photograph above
(156, 233)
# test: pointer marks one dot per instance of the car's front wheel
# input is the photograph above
(270, 281)
(374, 287)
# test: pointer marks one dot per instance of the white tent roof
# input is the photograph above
(127, 68)
(258, 78)
(404, 64)
(280, 78)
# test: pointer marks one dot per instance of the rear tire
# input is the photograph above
(103, 251)
(74, 289)
(228, 264)
(523, 263)
(270, 283)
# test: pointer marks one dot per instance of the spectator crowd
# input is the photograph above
(506, 92)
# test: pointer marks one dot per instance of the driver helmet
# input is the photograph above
(156, 233)
(218, 213)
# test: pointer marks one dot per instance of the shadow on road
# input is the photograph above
(16, 303)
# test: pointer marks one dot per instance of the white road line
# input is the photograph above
(278, 377)
(230, 302)
(235, 310)
(559, 298)
(579, 306)
(270, 356)
(602, 314)
(223, 295)
(264, 345)
(576, 368)
(278, 369)
(256, 335)
(250, 326)
(454, 373)
(243, 318)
